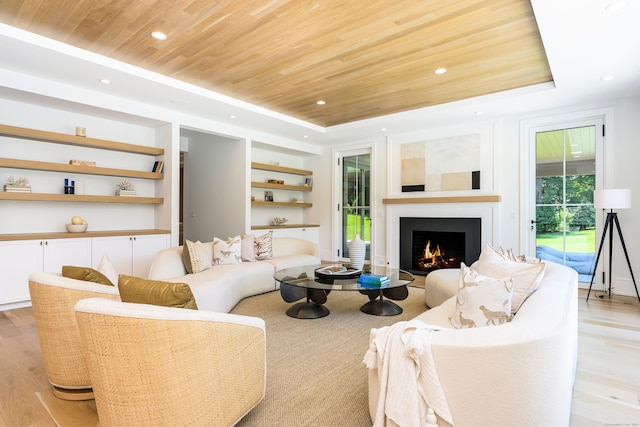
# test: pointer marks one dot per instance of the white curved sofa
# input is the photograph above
(221, 287)
(519, 373)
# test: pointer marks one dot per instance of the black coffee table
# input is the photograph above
(301, 282)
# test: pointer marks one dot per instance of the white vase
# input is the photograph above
(356, 252)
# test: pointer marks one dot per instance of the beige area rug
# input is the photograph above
(315, 374)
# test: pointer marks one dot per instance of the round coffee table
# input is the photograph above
(301, 282)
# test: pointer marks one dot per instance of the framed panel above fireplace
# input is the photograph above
(428, 244)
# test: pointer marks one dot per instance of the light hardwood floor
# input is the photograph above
(606, 391)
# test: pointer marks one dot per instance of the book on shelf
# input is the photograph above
(126, 193)
(17, 188)
(158, 167)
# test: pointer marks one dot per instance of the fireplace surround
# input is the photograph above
(430, 243)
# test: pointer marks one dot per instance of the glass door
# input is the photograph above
(356, 201)
(565, 178)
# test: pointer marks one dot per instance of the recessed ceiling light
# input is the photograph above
(616, 5)
(441, 70)
(305, 136)
(321, 102)
(232, 116)
(606, 78)
(159, 35)
(105, 81)
(383, 129)
(478, 113)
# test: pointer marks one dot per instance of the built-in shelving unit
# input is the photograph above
(286, 187)
(79, 141)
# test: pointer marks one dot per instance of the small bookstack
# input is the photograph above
(10, 188)
(369, 279)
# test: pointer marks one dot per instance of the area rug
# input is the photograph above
(315, 374)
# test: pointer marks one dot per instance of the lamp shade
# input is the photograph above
(612, 199)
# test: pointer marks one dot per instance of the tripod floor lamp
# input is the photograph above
(612, 199)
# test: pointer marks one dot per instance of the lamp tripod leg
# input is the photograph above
(604, 235)
(624, 248)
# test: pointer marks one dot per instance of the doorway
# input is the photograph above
(566, 163)
(355, 200)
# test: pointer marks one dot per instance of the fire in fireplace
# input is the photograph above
(428, 244)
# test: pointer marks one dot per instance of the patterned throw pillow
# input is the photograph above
(227, 251)
(264, 246)
(481, 301)
(156, 292)
(85, 273)
(196, 256)
(526, 275)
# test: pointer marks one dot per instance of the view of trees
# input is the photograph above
(579, 215)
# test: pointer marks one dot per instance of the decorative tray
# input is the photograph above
(337, 272)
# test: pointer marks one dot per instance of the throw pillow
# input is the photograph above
(247, 247)
(526, 275)
(264, 246)
(108, 269)
(227, 251)
(85, 273)
(481, 301)
(196, 256)
(156, 292)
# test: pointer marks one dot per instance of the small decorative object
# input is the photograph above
(268, 196)
(276, 181)
(82, 162)
(20, 185)
(77, 225)
(279, 220)
(80, 131)
(126, 188)
(69, 188)
(308, 182)
(357, 252)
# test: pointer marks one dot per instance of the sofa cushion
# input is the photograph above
(264, 246)
(156, 292)
(107, 268)
(227, 251)
(247, 247)
(86, 274)
(481, 301)
(196, 256)
(526, 274)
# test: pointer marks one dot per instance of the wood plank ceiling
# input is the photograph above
(365, 59)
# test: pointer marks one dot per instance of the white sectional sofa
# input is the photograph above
(519, 373)
(221, 287)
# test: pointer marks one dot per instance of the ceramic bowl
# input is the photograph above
(76, 228)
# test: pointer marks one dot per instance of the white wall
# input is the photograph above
(622, 152)
(214, 186)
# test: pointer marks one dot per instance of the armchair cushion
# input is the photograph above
(156, 292)
(85, 273)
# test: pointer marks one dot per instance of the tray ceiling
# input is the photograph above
(364, 59)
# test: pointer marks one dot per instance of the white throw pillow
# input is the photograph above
(196, 256)
(247, 247)
(526, 275)
(481, 301)
(108, 269)
(264, 246)
(227, 251)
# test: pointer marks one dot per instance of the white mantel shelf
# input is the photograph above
(447, 199)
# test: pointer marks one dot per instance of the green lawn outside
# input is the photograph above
(583, 241)
(353, 227)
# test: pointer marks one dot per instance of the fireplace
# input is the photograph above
(428, 244)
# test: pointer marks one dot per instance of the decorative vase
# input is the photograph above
(356, 252)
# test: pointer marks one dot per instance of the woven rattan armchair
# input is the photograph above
(53, 298)
(161, 366)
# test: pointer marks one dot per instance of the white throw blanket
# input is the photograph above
(409, 383)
